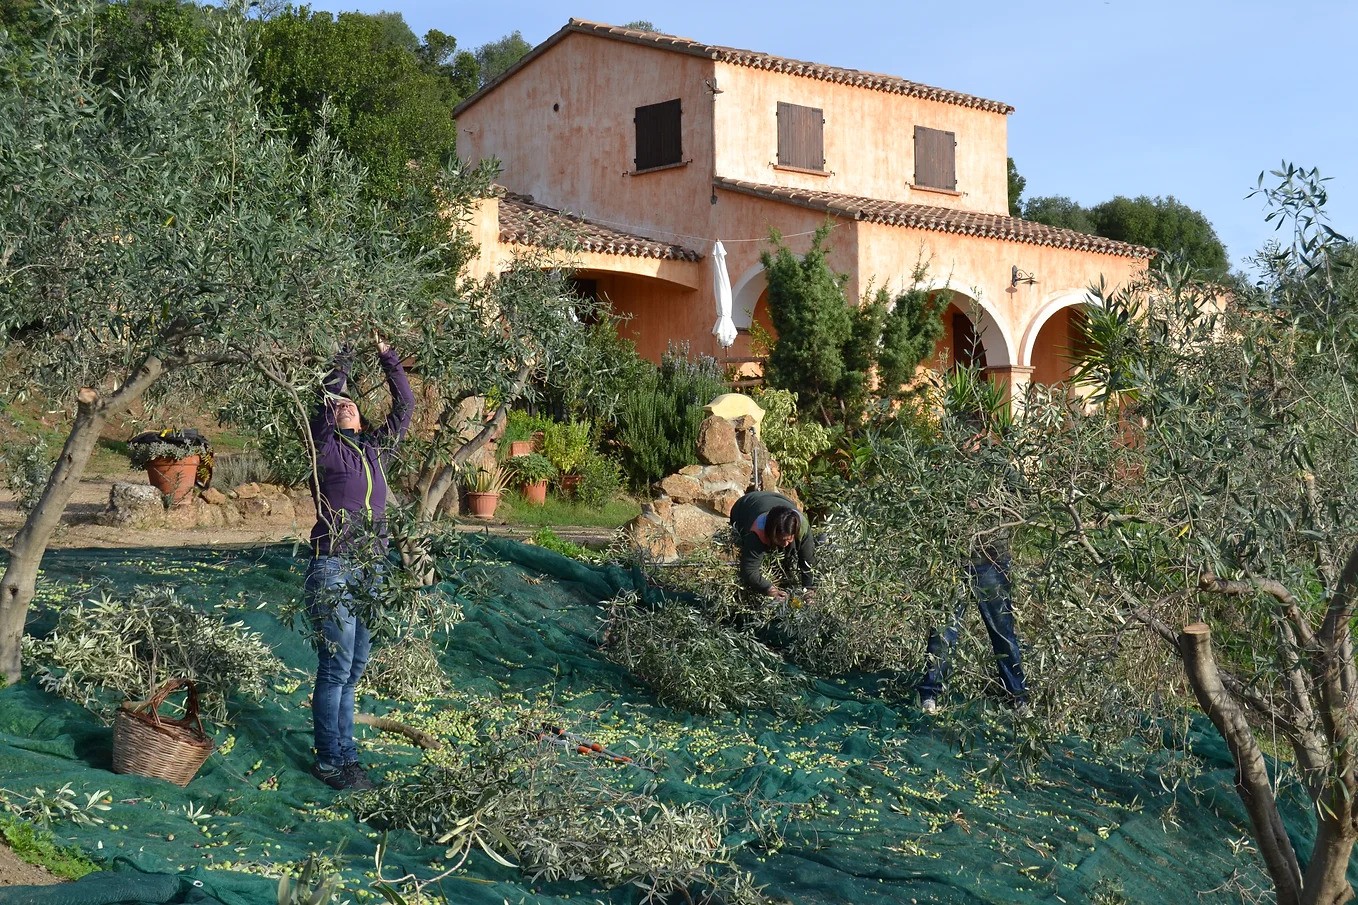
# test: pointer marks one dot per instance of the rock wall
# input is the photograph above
(692, 506)
(142, 506)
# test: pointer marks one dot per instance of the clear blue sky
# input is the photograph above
(1191, 98)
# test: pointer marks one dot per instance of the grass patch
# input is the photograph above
(40, 848)
(560, 512)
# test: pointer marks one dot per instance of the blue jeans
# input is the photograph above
(989, 586)
(342, 648)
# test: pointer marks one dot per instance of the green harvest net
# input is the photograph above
(906, 810)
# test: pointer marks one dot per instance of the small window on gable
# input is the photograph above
(801, 137)
(659, 135)
(935, 159)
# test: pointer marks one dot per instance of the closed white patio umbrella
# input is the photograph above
(725, 328)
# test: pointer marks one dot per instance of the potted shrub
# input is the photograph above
(566, 444)
(173, 460)
(484, 484)
(533, 471)
(522, 434)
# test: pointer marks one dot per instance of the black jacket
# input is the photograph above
(799, 557)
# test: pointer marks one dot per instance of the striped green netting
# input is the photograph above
(901, 808)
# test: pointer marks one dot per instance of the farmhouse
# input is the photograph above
(650, 148)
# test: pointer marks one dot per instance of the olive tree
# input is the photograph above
(1183, 532)
(159, 232)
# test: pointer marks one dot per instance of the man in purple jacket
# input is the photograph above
(348, 545)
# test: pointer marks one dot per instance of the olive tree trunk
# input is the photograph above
(1251, 773)
(21, 572)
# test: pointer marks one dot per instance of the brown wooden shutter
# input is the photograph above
(801, 136)
(935, 158)
(659, 135)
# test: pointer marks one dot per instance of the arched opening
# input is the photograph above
(1058, 346)
(971, 337)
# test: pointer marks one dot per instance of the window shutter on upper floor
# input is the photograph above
(801, 136)
(935, 158)
(659, 135)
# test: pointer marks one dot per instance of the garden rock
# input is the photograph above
(681, 489)
(133, 505)
(717, 441)
(692, 507)
(142, 506)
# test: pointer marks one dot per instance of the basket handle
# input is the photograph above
(152, 704)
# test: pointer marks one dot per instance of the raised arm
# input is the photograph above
(402, 399)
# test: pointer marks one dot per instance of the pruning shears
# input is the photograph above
(557, 735)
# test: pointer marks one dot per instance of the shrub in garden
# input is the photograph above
(658, 419)
(567, 443)
(26, 470)
(600, 480)
(793, 443)
(105, 651)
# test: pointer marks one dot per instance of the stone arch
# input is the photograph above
(745, 293)
(1054, 302)
(990, 329)
(1054, 337)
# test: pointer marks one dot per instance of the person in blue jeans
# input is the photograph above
(348, 547)
(988, 584)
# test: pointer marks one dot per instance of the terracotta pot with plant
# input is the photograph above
(483, 484)
(566, 445)
(522, 435)
(175, 460)
(533, 472)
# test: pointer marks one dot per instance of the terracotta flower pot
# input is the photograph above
(482, 505)
(570, 483)
(520, 447)
(173, 477)
(535, 492)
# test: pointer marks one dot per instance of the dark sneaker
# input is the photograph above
(335, 777)
(357, 777)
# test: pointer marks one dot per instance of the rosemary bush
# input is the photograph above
(105, 651)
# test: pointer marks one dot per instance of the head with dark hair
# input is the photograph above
(782, 525)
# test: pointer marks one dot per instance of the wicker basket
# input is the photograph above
(148, 744)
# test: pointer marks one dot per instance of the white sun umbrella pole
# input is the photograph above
(725, 328)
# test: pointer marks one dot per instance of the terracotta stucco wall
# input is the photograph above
(869, 140)
(562, 129)
(980, 269)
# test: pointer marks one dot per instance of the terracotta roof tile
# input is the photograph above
(756, 60)
(937, 219)
(737, 57)
(524, 222)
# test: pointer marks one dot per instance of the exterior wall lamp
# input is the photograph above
(1017, 276)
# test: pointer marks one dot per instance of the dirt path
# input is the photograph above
(14, 872)
(79, 527)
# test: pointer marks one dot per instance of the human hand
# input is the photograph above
(778, 594)
(808, 595)
(381, 344)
